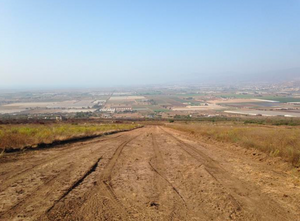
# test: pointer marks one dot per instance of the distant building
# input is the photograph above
(123, 109)
(59, 118)
(109, 110)
(106, 116)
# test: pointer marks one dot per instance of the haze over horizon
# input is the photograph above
(108, 43)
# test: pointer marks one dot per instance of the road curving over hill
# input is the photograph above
(151, 173)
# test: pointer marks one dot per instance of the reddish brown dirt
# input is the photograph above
(151, 173)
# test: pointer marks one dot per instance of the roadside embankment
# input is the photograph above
(281, 141)
(33, 136)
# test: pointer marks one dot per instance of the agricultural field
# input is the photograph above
(265, 113)
(48, 107)
(282, 99)
(126, 98)
(157, 103)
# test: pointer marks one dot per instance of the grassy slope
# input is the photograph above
(277, 140)
(19, 136)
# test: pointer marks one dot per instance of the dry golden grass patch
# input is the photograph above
(276, 140)
(20, 136)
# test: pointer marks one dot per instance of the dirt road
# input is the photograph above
(151, 173)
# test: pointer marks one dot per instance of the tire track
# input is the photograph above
(168, 182)
(52, 178)
(159, 176)
(106, 175)
(52, 184)
(55, 183)
(101, 198)
(162, 183)
(105, 179)
(244, 196)
(57, 157)
(160, 170)
(76, 183)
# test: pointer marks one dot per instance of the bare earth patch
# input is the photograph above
(152, 173)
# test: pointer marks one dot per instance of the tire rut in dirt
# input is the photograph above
(41, 198)
(177, 208)
(99, 202)
(76, 183)
(250, 202)
(8, 180)
(148, 174)
(185, 174)
(52, 181)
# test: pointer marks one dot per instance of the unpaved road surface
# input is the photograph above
(151, 173)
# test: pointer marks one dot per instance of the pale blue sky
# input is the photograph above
(105, 43)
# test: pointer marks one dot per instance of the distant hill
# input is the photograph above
(278, 76)
(292, 74)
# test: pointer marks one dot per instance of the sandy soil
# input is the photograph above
(152, 173)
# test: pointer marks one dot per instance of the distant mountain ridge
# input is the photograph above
(277, 76)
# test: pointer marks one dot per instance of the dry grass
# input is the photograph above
(276, 140)
(20, 136)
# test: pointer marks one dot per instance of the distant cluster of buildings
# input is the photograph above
(116, 110)
(108, 110)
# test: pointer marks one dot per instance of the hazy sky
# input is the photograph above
(96, 43)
